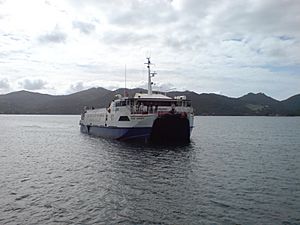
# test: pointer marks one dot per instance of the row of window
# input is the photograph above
(154, 103)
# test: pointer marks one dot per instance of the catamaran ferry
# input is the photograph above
(145, 116)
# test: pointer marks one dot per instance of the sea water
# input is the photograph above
(236, 170)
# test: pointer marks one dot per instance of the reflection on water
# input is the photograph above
(148, 181)
(236, 170)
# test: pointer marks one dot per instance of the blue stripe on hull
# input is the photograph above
(117, 132)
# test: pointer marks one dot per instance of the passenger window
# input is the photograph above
(124, 118)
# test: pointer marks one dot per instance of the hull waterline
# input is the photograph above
(117, 133)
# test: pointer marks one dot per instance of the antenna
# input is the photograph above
(148, 63)
(153, 73)
(125, 81)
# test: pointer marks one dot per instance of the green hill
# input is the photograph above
(25, 102)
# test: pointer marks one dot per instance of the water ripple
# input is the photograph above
(235, 171)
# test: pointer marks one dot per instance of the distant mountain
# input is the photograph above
(25, 102)
(292, 105)
(211, 104)
(261, 104)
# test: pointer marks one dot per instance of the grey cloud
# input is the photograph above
(146, 13)
(134, 12)
(265, 17)
(33, 84)
(194, 35)
(174, 43)
(126, 37)
(184, 41)
(92, 68)
(142, 17)
(285, 38)
(56, 36)
(77, 87)
(165, 87)
(197, 8)
(15, 37)
(4, 84)
(84, 27)
(262, 31)
(214, 20)
(47, 2)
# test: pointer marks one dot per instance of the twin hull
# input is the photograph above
(167, 127)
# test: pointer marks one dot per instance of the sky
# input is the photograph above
(224, 47)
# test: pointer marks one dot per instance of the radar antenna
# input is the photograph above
(150, 74)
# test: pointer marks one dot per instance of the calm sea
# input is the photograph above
(236, 170)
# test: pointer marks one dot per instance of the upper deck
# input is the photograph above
(153, 100)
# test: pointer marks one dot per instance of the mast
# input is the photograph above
(125, 94)
(150, 74)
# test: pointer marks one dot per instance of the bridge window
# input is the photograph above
(120, 103)
(124, 118)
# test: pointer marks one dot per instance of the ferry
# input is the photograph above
(151, 117)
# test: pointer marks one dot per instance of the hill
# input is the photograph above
(292, 105)
(25, 102)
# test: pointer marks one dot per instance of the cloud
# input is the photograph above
(55, 36)
(37, 84)
(144, 13)
(77, 87)
(84, 27)
(254, 20)
(126, 37)
(206, 45)
(4, 84)
(164, 87)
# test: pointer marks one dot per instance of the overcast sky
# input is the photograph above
(225, 47)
